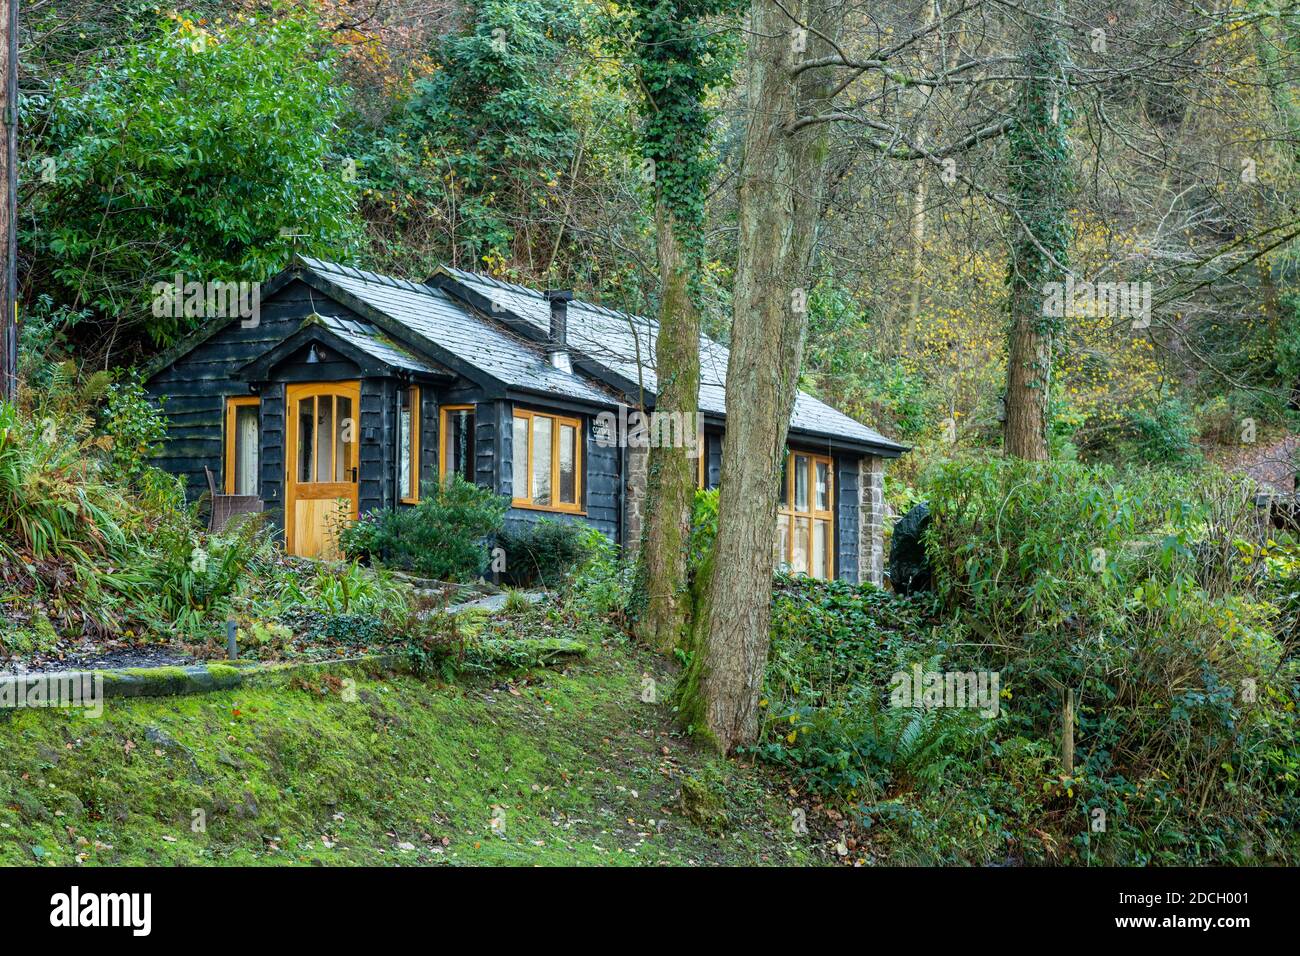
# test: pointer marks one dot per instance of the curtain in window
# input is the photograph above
(247, 449)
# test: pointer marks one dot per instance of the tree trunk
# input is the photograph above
(671, 471)
(1067, 732)
(1039, 175)
(8, 203)
(917, 99)
(782, 181)
(1029, 360)
(918, 247)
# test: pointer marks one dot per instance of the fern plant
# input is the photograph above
(860, 743)
(51, 503)
(189, 575)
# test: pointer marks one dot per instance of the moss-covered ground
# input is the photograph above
(567, 765)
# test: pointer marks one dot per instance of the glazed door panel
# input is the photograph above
(321, 466)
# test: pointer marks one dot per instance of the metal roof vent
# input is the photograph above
(558, 351)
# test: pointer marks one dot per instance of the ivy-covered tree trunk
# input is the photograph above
(679, 57)
(1040, 177)
(1273, 37)
(8, 204)
(671, 472)
(783, 179)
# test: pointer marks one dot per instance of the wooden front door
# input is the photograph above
(320, 466)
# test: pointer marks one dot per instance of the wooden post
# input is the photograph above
(1067, 733)
(9, 205)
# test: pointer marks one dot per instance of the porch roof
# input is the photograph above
(357, 340)
(373, 342)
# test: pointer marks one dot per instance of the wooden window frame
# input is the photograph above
(413, 466)
(812, 514)
(576, 508)
(233, 404)
(443, 456)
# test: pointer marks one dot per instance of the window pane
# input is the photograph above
(568, 461)
(325, 438)
(823, 486)
(404, 447)
(782, 540)
(820, 550)
(800, 483)
(460, 444)
(799, 559)
(343, 437)
(785, 482)
(306, 434)
(468, 458)
(520, 458)
(413, 456)
(246, 449)
(541, 460)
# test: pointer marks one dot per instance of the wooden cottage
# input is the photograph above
(348, 386)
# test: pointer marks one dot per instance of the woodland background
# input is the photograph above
(404, 134)
(1110, 562)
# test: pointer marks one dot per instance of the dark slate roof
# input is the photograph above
(615, 339)
(516, 357)
(434, 316)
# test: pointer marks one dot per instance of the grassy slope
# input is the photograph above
(579, 765)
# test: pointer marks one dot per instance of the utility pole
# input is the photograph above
(9, 207)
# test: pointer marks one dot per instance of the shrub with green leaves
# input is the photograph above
(435, 644)
(64, 527)
(347, 588)
(188, 151)
(602, 585)
(828, 636)
(859, 746)
(446, 536)
(103, 540)
(1139, 593)
(704, 528)
(1163, 434)
(543, 552)
(834, 647)
(1152, 595)
(188, 576)
(137, 429)
(53, 503)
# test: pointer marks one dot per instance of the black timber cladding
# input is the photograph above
(196, 385)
